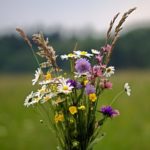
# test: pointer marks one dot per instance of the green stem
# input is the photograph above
(116, 97)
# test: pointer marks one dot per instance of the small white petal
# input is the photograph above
(127, 89)
(94, 51)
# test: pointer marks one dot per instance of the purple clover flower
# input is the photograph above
(109, 111)
(89, 89)
(82, 65)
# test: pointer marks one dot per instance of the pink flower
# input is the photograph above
(106, 49)
(97, 72)
(106, 84)
(99, 58)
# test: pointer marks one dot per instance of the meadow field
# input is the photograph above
(20, 127)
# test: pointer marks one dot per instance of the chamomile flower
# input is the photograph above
(94, 51)
(38, 72)
(41, 91)
(29, 100)
(64, 86)
(109, 71)
(48, 97)
(70, 55)
(82, 53)
(64, 57)
(127, 89)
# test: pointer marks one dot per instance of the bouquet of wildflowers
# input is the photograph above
(69, 103)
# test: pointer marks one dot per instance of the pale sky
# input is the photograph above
(72, 14)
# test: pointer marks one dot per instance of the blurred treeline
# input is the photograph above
(132, 50)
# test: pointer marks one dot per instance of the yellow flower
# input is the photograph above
(46, 98)
(85, 82)
(48, 76)
(92, 97)
(73, 110)
(59, 117)
(82, 107)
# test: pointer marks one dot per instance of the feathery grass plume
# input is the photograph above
(118, 28)
(111, 26)
(26, 39)
(24, 36)
(45, 50)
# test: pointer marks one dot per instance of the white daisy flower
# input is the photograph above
(38, 72)
(94, 51)
(64, 57)
(41, 91)
(127, 89)
(64, 87)
(109, 71)
(29, 100)
(48, 97)
(82, 53)
(78, 75)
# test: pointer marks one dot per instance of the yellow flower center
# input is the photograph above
(83, 53)
(85, 82)
(71, 55)
(48, 76)
(65, 87)
(108, 70)
(73, 110)
(92, 97)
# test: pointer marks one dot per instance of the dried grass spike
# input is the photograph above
(111, 25)
(24, 36)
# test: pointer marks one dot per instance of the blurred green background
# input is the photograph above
(20, 127)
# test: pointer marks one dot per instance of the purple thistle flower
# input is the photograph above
(89, 89)
(109, 111)
(82, 65)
